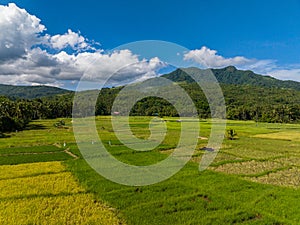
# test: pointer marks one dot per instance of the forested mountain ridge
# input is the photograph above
(248, 96)
(231, 75)
(30, 92)
(227, 75)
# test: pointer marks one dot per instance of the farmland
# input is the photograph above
(253, 180)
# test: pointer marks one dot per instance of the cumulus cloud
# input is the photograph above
(210, 59)
(19, 32)
(70, 39)
(30, 56)
(25, 57)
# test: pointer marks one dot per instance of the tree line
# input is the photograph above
(16, 114)
(243, 102)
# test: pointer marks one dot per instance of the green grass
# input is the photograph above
(253, 180)
(32, 149)
(191, 197)
(40, 132)
(31, 158)
(18, 155)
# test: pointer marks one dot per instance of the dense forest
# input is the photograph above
(30, 92)
(248, 96)
(16, 114)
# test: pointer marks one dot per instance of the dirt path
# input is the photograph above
(70, 153)
(42, 153)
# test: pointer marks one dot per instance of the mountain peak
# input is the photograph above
(231, 75)
(230, 68)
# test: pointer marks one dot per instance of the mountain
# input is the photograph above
(30, 92)
(231, 75)
(248, 96)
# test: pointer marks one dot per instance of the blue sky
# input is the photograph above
(267, 32)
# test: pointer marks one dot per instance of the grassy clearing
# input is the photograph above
(44, 193)
(39, 133)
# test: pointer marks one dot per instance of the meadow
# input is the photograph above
(253, 180)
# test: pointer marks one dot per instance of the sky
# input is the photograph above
(56, 42)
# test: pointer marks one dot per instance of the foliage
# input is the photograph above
(59, 124)
(231, 134)
(230, 75)
(32, 92)
(248, 96)
(15, 115)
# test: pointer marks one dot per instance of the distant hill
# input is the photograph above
(30, 92)
(231, 75)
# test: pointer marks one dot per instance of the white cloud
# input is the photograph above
(122, 66)
(25, 59)
(286, 74)
(70, 39)
(210, 59)
(30, 56)
(19, 32)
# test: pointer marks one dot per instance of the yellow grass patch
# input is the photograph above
(28, 195)
(73, 209)
(282, 135)
(248, 168)
(254, 154)
(289, 177)
(23, 170)
(225, 157)
(40, 185)
(289, 161)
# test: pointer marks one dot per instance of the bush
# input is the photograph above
(59, 124)
(231, 134)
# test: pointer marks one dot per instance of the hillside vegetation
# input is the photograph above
(248, 96)
(30, 92)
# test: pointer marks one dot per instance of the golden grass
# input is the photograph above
(225, 157)
(248, 168)
(282, 135)
(289, 161)
(23, 170)
(253, 154)
(40, 185)
(289, 178)
(28, 195)
(73, 209)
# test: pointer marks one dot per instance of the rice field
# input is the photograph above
(254, 179)
(45, 193)
(265, 153)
